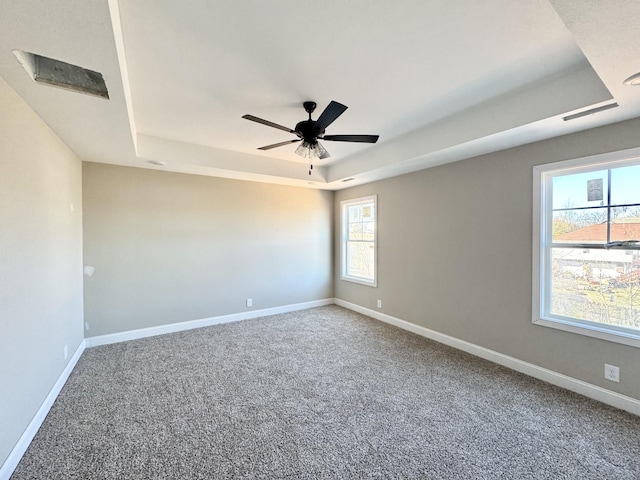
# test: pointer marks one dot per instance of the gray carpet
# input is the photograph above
(320, 393)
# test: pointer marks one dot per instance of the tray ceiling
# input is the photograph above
(439, 81)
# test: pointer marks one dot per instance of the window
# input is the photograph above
(587, 246)
(358, 247)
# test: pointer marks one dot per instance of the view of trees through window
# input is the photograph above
(599, 286)
(594, 254)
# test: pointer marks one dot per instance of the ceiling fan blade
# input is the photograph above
(352, 138)
(267, 123)
(281, 144)
(327, 117)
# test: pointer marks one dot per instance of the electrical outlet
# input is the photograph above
(249, 302)
(611, 373)
(66, 351)
(379, 303)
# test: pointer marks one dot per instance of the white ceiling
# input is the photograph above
(439, 81)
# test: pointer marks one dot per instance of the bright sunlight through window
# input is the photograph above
(358, 248)
(587, 246)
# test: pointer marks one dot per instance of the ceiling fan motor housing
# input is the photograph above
(307, 131)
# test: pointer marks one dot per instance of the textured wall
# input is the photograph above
(40, 263)
(170, 247)
(455, 256)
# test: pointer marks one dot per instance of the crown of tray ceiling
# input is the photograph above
(439, 81)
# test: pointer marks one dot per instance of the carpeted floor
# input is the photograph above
(320, 393)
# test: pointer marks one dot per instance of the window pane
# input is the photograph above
(601, 286)
(368, 230)
(624, 225)
(368, 212)
(625, 186)
(580, 226)
(360, 260)
(355, 231)
(354, 213)
(358, 252)
(580, 190)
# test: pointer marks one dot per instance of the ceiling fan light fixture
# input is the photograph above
(303, 150)
(310, 150)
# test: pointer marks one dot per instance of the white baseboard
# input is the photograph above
(10, 464)
(600, 394)
(203, 322)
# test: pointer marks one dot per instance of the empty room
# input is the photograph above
(344, 239)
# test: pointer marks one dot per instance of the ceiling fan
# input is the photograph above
(310, 131)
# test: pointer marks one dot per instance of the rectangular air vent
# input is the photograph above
(64, 75)
(590, 112)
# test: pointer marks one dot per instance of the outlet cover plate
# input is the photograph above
(612, 373)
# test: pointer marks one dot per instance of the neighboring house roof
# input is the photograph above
(598, 233)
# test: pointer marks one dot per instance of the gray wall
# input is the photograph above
(40, 263)
(170, 247)
(455, 256)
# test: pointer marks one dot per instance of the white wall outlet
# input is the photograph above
(249, 302)
(66, 351)
(612, 373)
(86, 326)
(379, 303)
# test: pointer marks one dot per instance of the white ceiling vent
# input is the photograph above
(591, 111)
(64, 75)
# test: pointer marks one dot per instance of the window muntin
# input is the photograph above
(585, 279)
(358, 249)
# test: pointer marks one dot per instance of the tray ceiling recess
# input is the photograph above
(438, 81)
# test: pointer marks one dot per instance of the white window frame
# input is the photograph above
(542, 202)
(344, 204)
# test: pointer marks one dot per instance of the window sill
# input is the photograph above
(361, 281)
(590, 330)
